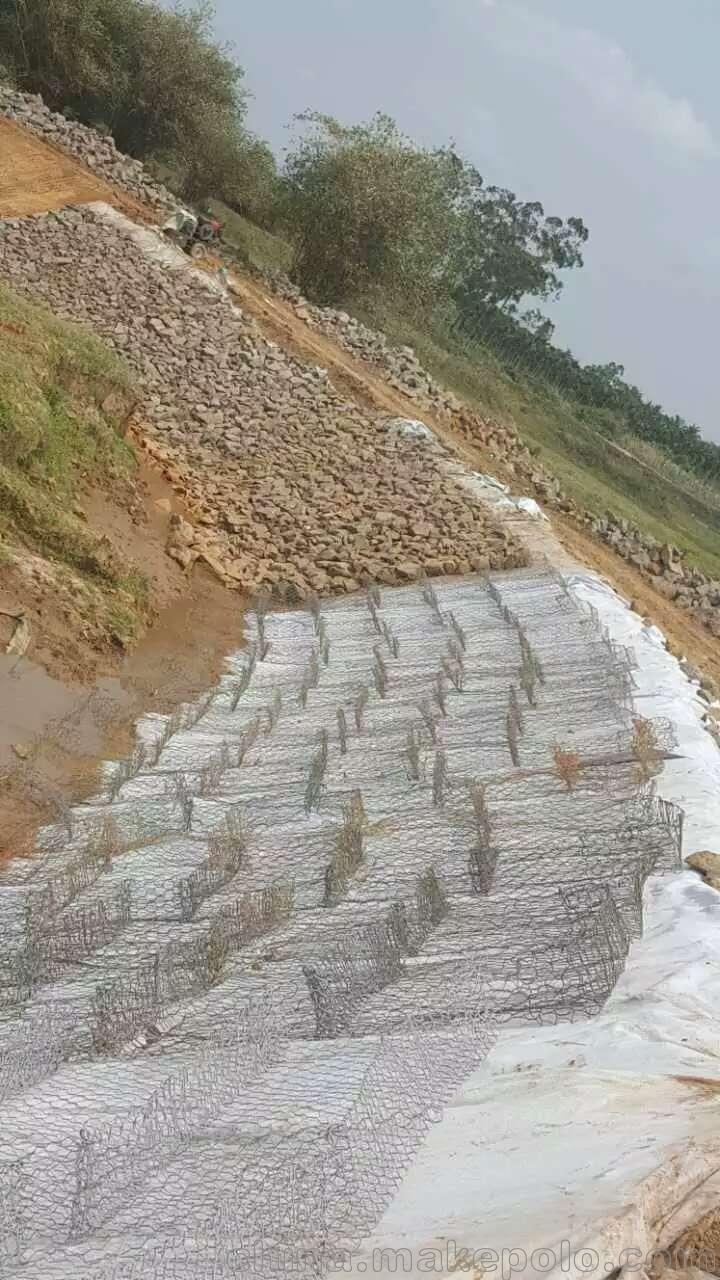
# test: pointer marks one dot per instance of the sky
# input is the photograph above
(605, 109)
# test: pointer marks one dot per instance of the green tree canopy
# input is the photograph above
(506, 249)
(367, 211)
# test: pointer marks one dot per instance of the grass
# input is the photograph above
(254, 246)
(690, 482)
(63, 400)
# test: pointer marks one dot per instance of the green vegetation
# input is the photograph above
(62, 399)
(599, 394)
(375, 220)
(367, 212)
(253, 245)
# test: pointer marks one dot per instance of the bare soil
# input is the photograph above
(349, 375)
(36, 177)
(699, 1247)
(68, 702)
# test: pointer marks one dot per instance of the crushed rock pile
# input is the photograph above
(292, 488)
(401, 369)
(666, 565)
(663, 564)
(400, 365)
(96, 150)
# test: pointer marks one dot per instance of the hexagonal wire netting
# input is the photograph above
(238, 985)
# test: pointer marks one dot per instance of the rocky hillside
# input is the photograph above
(294, 488)
(184, 425)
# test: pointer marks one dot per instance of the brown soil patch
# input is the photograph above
(69, 637)
(70, 702)
(699, 1246)
(36, 177)
(704, 1085)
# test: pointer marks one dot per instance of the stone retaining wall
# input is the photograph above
(666, 565)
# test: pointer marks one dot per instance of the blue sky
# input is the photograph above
(609, 109)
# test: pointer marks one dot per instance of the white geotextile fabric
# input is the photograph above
(482, 487)
(490, 491)
(411, 429)
(589, 1137)
(531, 508)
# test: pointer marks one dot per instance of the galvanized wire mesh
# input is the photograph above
(237, 986)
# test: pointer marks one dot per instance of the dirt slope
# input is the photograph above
(349, 375)
(62, 727)
(68, 703)
(36, 177)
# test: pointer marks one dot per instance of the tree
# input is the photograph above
(252, 187)
(367, 210)
(208, 159)
(154, 77)
(506, 249)
(178, 79)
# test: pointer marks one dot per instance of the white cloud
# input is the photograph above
(605, 73)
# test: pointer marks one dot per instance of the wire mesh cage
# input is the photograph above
(238, 985)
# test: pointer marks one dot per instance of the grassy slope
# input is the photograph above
(62, 396)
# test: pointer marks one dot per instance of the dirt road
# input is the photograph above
(36, 178)
(349, 375)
